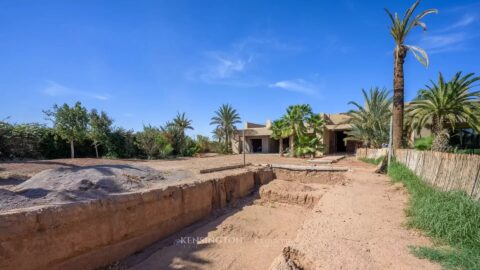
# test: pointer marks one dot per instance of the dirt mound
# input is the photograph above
(80, 183)
(281, 191)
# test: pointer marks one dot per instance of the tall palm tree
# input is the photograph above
(399, 29)
(225, 119)
(294, 121)
(370, 122)
(446, 104)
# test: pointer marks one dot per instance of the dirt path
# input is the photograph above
(357, 226)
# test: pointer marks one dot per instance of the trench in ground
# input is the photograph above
(247, 235)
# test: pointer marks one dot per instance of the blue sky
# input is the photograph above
(144, 61)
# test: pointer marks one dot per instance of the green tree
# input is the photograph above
(399, 29)
(182, 122)
(153, 142)
(175, 136)
(308, 144)
(70, 123)
(444, 105)
(371, 122)
(225, 119)
(122, 144)
(294, 122)
(100, 128)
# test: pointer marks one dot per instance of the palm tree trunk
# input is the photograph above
(292, 145)
(96, 149)
(280, 147)
(398, 96)
(227, 143)
(441, 140)
(72, 150)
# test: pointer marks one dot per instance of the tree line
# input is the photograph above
(77, 132)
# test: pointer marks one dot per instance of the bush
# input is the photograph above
(154, 142)
(204, 144)
(190, 147)
(423, 143)
(449, 217)
(121, 144)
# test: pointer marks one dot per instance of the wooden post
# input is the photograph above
(243, 146)
(475, 182)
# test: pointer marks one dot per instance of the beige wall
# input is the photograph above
(268, 144)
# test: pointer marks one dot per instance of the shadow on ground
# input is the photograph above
(185, 257)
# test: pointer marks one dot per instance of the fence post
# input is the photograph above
(475, 182)
(438, 170)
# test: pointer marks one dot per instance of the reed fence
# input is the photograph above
(371, 153)
(445, 171)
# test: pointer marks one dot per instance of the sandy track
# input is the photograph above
(357, 226)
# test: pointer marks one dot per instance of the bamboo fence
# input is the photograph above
(445, 171)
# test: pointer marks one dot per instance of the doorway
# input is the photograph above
(256, 145)
(340, 143)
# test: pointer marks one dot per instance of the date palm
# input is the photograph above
(399, 29)
(225, 119)
(370, 122)
(182, 122)
(444, 105)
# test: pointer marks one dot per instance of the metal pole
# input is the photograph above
(390, 141)
(243, 147)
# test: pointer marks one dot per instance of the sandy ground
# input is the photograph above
(30, 168)
(358, 223)
(49, 182)
(73, 184)
(354, 224)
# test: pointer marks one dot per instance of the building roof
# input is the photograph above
(333, 122)
(339, 127)
(336, 119)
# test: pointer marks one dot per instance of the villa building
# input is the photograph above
(258, 137)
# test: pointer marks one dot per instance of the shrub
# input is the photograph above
(204, 144)
(190, 147)
(423, 143)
